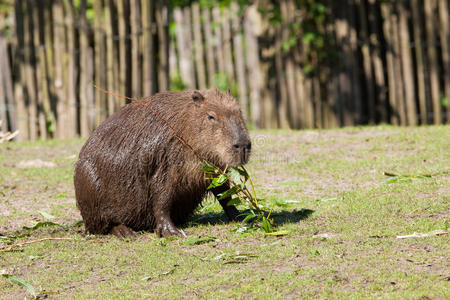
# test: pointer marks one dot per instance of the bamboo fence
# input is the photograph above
(383, 62)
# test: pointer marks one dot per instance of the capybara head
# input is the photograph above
(222, 135)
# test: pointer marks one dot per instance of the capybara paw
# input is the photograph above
(166, 229)
(123, 232)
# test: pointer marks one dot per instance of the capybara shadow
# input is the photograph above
(279, 217)
(141, 168)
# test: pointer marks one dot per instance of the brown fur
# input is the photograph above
(134, 172)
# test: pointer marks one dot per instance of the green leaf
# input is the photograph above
(228, 193)
(235, 175)
(196, 240)
(147, 278)
(40, 224)
(217, 181)
(208, 168)
(266, 225)
(278, 233)
(249, 218)
(46, 215)
(22, 283)
(234, 201)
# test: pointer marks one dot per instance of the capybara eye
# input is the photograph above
(210, 117)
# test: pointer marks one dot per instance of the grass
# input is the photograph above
(328, 189)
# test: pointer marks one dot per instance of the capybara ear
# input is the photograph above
(197, 97)
(228, 91)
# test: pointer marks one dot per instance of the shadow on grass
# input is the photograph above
(280, 218)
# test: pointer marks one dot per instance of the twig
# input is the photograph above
(11, 247)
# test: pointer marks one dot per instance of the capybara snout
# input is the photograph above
(141, 168)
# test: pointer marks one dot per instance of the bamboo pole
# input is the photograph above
(429, 7)
(112, 54)
(218, 39)
(85, 78)
(209, 46)
(198, 46)
(7, 86)
(390, 67)
(400, 96)
(239, 62)
(227, 51)
(60, 65)
(445, 45)
(279, 38)
(252, 55)
(30, 89)
(162, 20)
(418, 49)
(50, 66)
(184, 50)
(342, 33)
(136, 64)
(71, 107)
(377, 61)
(147, 42)
(100, 63)
(367, 62)
(407, 67)
(123, 49)
(41, 81)
(355, 102)
(289, 68)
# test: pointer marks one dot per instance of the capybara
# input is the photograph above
(136, 172)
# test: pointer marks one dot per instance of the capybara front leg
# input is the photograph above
(164, 225)
(230, 210)
(122, 232)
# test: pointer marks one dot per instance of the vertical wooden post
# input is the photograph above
(71, 107)
(147, 43)
(418, 43)
(30, 75)
(50, 65)
(209, 46)
(184, 50)
(198, 46)
(218, 39)
(7, 85)
(367, 63)
(445, 45)
(60, 65)
(136, 64)
(410, 99)
(381, 105)
(85, 78)
(123, 53)
(112, 55)
(40, 75)
(433, 60)
(390, 66)
(100, 63)
(162, 20)
(227, 51)
(398, 70)
(252, 55)
(239, 59)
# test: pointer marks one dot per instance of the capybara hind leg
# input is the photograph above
(122, 232)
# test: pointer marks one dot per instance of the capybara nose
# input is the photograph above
(242, 146)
